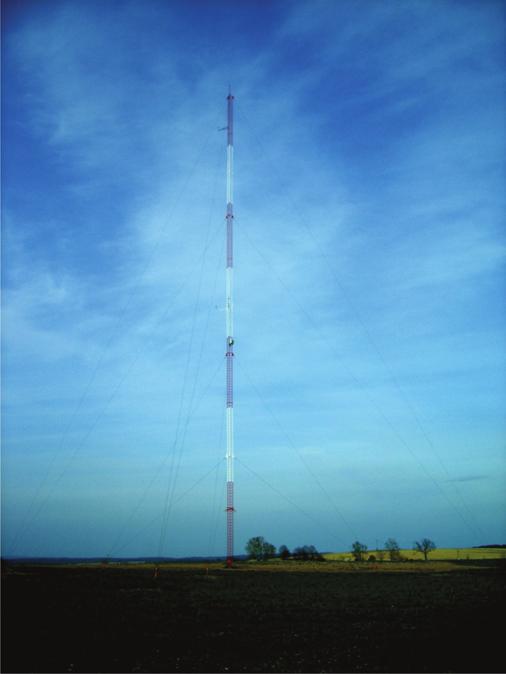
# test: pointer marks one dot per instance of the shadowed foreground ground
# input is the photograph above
(108, 619)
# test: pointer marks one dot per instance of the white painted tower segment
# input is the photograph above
(229, 336)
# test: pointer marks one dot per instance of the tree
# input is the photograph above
(269, 550)
(358, 550)
(314, 555)
(258, 548)
(255, 546)
(307, 553)
(392, 547)
(300, 553)
(284, 552)
(424, 547)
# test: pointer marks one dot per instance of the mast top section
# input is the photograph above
(230, 120)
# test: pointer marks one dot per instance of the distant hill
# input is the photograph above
(112, 560)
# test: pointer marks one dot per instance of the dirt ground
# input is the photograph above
(198, 619)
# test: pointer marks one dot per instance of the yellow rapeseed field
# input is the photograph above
(439, 554)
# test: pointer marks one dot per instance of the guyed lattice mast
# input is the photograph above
(230, 332)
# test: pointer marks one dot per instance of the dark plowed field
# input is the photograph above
(106, 619)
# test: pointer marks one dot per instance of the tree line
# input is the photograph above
(391, 549)
(261, 550)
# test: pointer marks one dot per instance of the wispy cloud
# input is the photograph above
(469, 478)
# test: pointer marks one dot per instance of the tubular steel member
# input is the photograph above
(230, 331)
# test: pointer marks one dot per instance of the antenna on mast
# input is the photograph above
(230, 332)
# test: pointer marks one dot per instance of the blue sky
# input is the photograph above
(369, 274)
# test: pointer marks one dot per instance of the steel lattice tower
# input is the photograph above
(230, 332)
